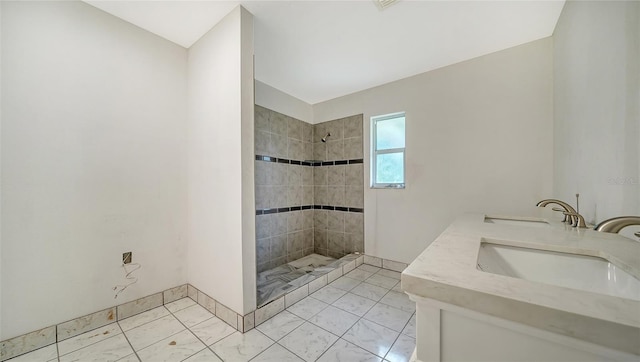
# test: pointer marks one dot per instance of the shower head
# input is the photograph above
(324, 139)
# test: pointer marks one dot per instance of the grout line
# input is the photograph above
(130, 345)
(189, 329)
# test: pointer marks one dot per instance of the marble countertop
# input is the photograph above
(446, 271)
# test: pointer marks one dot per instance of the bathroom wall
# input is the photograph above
(276, 100)
(597, 107)
(93, 162)
(284, 188)
(479, 139)
(338, 187)
(221, 211)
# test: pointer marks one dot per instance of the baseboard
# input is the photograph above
(28, 342)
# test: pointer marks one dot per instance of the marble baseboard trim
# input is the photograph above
(385, 263)
(84, 324)
(192, 292)
(267, 311)
(394, 265)
(248, 322)
(31, 341)
(372, 260)
(237, 321)
(27, 342)
(138, 306)
(173, 294)
(227, 315)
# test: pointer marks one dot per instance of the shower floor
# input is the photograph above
(282, 279)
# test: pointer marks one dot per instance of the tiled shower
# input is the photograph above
(309, 193)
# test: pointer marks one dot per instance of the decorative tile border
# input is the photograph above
(31, 341)
(277, 210)
(307, 163)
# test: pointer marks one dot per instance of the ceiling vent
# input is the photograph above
(383, 4)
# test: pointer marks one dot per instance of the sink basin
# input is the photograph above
(516, 222)
(575, 271)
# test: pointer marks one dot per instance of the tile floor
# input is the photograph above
(362, 316)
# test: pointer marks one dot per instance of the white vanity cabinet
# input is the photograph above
(464, 313)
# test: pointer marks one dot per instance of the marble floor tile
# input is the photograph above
(345, 283)
(307, 308)
(212, 330)
(152, 332)
(308, 341)
(44, 354)
(400, 301)
(142, 318)
(110, 349)
(193, 315)
(389, 273)
(369, 268)
(370, 291)
(180, 304)
(402, 349)
(241, 347)
(358, 274)
(328, 294)
(88, 338)
(382, 281)
(371, 336)
(280, 325)
(410, 329)
(277, 353)
(343, 351)
(354, 304)
(204, 356)
(334, 320)
(130, 358)
(398, 288)
(389, 317)
(174, 348)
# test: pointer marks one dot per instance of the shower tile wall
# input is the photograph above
(305, 207)
(339, 185)
(286, 235)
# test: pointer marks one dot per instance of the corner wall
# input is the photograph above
(221, 214)
(479, 139)
(93, 162)
(597, 107)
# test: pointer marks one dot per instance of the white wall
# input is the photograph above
(276, 100)
(93, 162)
(479, 139)
(220, 153)
(0, 174)
(597, 107)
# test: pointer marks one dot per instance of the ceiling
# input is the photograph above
(320, 50)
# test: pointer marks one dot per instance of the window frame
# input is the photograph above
(375, 152)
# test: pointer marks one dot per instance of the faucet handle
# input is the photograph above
(567, 218)
(580, 223)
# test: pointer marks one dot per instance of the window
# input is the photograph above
(387, 161)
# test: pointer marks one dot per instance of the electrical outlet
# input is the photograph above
(126, 257)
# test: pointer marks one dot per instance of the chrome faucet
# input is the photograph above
(569, 211)
(616, 224)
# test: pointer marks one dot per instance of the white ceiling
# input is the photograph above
(319, 50)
